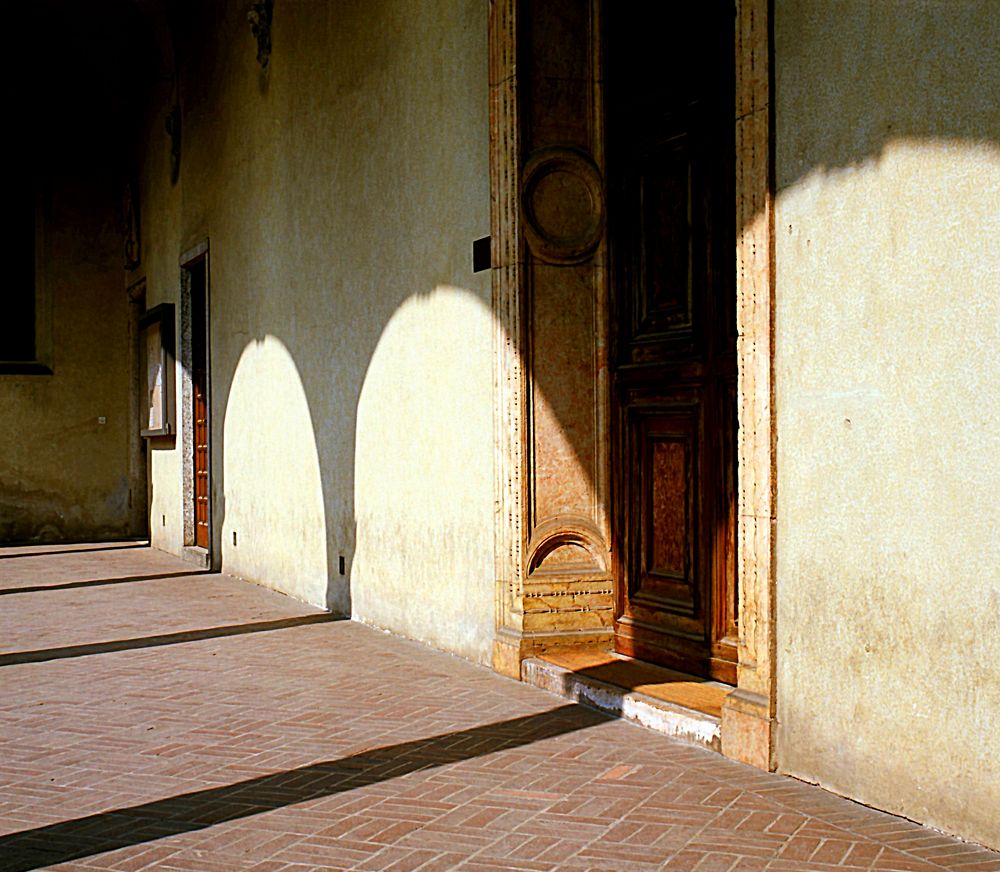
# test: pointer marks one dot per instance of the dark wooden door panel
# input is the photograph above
(199, 377)
(200, 462)
(663, 291)
(725, 633)
(669, 89)
(675, 597)
(661, 513)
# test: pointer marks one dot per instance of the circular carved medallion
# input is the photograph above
(563, 205)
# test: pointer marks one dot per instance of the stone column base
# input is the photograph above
(747, 730)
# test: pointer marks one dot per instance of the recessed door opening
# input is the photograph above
(196, 399)
(670, 81)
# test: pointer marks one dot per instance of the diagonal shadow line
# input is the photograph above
(198, 810)
(99, 582)
(44, 654)
(143, 544)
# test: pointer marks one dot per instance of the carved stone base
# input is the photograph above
(511, 648)
(747, 730)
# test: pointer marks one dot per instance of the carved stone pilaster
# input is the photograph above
(549, 301)
(748, 715)
(506, 258)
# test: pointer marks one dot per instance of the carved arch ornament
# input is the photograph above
(567, 546)
(547, 228)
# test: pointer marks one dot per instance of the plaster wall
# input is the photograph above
(351, 401)
(161, 211)
(64, 475)
(886, 324)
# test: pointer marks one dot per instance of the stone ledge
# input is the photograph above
(195, 555)
(682, 723)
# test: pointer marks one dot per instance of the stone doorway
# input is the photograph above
(555, 537)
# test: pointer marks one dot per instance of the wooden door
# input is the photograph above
(199, 380)
(670, 144)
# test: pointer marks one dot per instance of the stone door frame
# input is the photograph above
(553, 583)
(211, 556)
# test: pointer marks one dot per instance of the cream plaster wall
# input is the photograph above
(64, 475)
(268, 427)
(351, 344)
(421, 480)
(886, 329)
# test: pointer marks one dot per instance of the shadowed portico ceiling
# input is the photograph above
(78, 75)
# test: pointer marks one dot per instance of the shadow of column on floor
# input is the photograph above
(85, 548)
(100, 582)
(43, 655)
(188, 812)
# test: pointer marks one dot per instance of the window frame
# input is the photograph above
(42, 362)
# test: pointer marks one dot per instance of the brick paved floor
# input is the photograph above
(151, 717)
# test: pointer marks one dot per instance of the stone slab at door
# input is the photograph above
(669, 82)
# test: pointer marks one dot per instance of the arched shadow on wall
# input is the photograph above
(895, 97)
(870, 96)
(853, 92)
(329, 326)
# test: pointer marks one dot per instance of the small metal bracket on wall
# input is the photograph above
(481, 254)
(259, 17)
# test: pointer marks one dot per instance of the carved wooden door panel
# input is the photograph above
(670, 161)
(200, 460)
(199, 384)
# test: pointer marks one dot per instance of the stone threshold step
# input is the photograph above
(672, 703)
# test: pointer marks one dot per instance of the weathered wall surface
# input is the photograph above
(888, 241)
(64, 475)
(350, 341)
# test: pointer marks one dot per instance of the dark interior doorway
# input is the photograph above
(197, 278)
(669, 90)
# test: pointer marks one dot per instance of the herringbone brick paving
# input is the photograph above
(152, 717)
